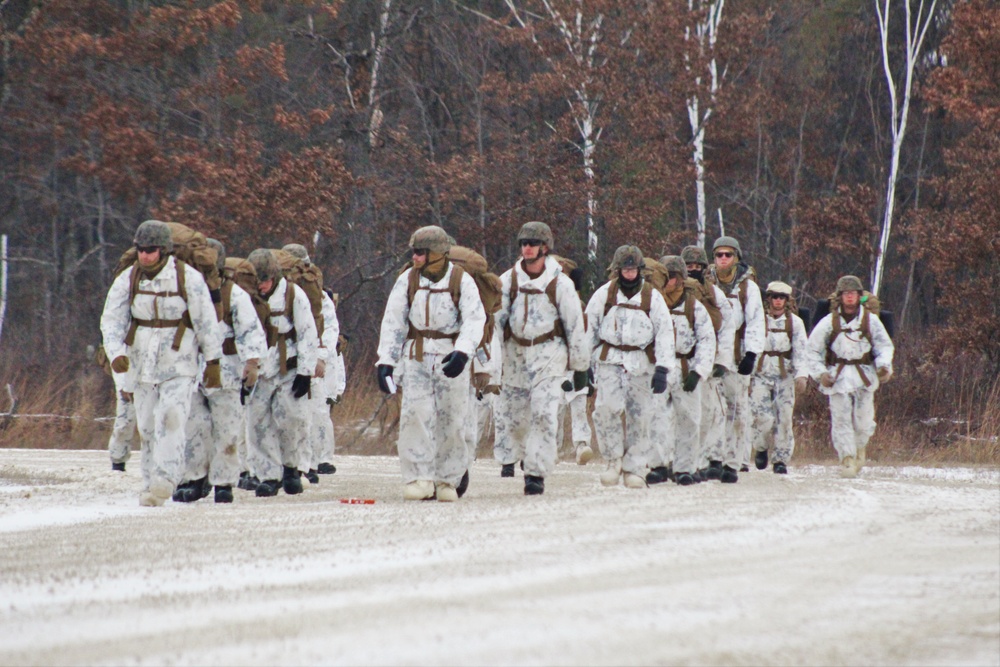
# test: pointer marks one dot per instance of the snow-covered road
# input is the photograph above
(900, 566)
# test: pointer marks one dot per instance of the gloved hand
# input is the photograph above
(251, 370)
(120, 364)
(127, 396)
(244, 392)
(718, 370)
(454, 363)
(334, 400)
(826, 380)
(581, 379)
(659, 383)
(300, 385)
(691, 381)
(384, 373)
(320, 368)
(800, 385)
(884, 374)
(746, 365)
(212, 378)
(480, 380)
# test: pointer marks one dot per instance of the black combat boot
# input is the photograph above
(268, 488)
(313, 476)
(224, 494)
(119, 467)
(729, 475)
(684, 478)
(189, 492)
(744, 468)
(780, 468)
(463, 485)
(507, 470)
(714, 470)
(760, 460)
(534, 486)
(658, 475)
(291, 481)
(326, 468)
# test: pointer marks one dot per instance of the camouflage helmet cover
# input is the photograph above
(220, 252)
(694, 254)
(265, 264)
(848, 283)
(154, 233)
(675, 264)
(728, 242)
(297, 250)
(432, 238)
(536, 231)
(627, 257)
(778, 287)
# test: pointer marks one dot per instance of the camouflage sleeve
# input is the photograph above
(470, 307)
(725, 338)
(799, 341)
(502, 315)
(663, 332)
(816, 347)
(306, 333)
(204, 320)
(395, 324)
(571, 314)
(331, 326)
(753, 336)
(247, 329)
(116, 316)
(882, 346)
(704, 334)
(595, 317)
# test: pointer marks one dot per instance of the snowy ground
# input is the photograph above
(901, 566)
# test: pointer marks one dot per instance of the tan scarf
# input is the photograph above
(726, 276)
(435, 267)
(150, 272)
(674, 295)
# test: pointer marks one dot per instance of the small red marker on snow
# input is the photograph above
(358, 501)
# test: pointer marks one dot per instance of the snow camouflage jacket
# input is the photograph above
(432, 310)
(152, 359)
(782, 351)
(247, 334)
(851, 346)
(726, 335)
(626, 325)
(703, 334)
(751, 314)
(304, 345)
(335, 381)
(532, 314)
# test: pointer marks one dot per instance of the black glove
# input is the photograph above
(659, 380)
(591, 383)
(384, 373)
(300, 385)
(746, 366)
(454, 363)
(244, 392)
(718, 370)
(580, 380)
(691, 381)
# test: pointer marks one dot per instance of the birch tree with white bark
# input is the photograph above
(899, 98)
(701, 39)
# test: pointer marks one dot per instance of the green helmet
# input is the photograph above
(627, 257)
(536, 231)
(778, 287)
(675, 264)
(848, 283)
(154, 233)
(728, 242)
(265, 264)
(220, 252)
(432, 238)
(694, 254)
(297, 250)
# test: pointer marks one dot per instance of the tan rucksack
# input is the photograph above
(239, 271)
(309, 278)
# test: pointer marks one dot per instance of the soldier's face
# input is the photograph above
(725, 257)
(148, 256)
(695, 267)
(778, 302)
(532, 249)
(630, 274)
(419, 257)
(850, 298)
(264, 287)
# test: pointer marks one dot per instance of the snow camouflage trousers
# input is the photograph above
(432, 422)
(216, 431)
(278, 432)
(662, 430)
(480, 422)
(526, 425)
(686, 409)
(771, 403)
(576, 406)
(620, 392)
(161, 412)
(124, 433)
(321, 426)
(852, 421)
(736, 394)
(713, 421)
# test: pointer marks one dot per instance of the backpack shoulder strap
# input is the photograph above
(181, 279)
(550, 291)
(412, 284)
(689, 307)
(646, 300)
(743, 293)
(455, 283)
(612, 299)
(133, 282)
(226, 293)
(866, 328)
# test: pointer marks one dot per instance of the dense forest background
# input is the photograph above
(344, 125)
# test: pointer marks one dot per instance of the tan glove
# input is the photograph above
(250, 372)
(127, 396)
(212, 378)
(320, 369)
(884, 374)
(480, 380)
(826, 380)
(800, 385)
(120, 364)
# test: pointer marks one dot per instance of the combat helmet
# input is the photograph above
(432, 238)
(154, 233)
(848, 283)
(728, 242)
(220, 253)
(778, 287)
(265, 264)
(694, 254)
(536, 231)
(298, 251)
(627, 257)
(675, 264)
